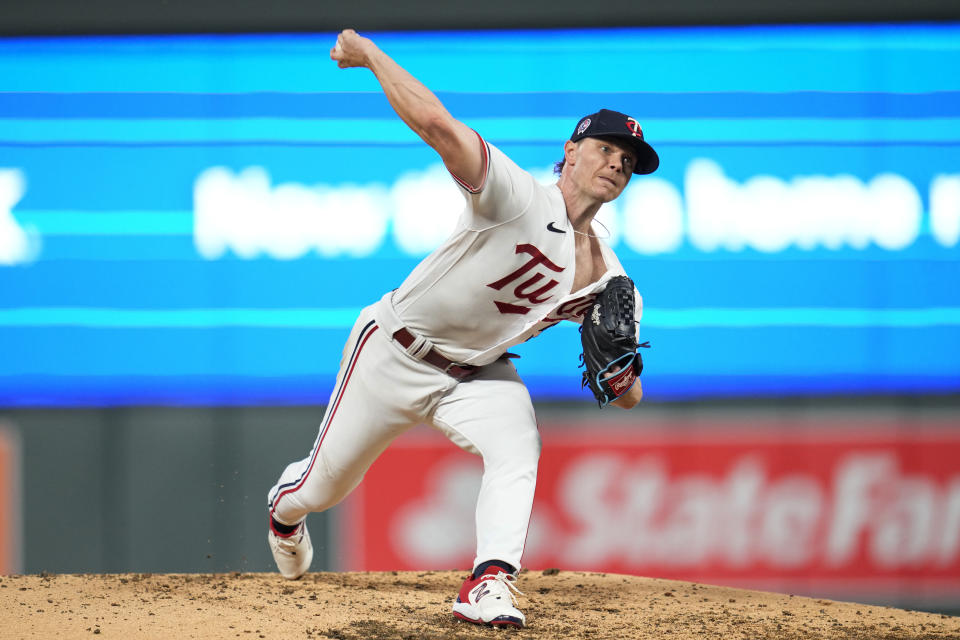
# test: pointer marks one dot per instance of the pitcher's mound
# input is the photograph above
(410, 605)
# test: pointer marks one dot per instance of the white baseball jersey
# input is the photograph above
(505, 274)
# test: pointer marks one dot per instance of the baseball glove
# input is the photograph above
(609, 340)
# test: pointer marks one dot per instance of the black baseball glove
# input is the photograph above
(609, 340)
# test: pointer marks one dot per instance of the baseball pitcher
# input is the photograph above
(523, 257)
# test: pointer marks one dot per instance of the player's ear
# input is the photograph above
(570, 151)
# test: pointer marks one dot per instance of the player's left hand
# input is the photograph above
(351, 49)
(609, 340)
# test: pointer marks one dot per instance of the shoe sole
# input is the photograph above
(501, 621)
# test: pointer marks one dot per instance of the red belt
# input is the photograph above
(458, 371)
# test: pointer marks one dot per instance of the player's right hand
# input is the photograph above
(351, 49)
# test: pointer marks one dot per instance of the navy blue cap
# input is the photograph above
(613, 124)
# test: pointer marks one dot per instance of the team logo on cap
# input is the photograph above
(583, 126)
(634, 127)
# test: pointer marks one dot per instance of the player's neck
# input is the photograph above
(581, 207)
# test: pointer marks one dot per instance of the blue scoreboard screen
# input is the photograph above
(198, 219)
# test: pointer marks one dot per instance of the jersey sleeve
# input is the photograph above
(504, 193)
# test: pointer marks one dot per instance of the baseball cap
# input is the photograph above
(613, 124)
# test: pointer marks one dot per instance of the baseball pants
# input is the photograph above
(381, 391)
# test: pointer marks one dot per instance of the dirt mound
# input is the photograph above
(408, 605)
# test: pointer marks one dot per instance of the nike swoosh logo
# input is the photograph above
(550, 227)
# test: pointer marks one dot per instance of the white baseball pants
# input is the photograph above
(382, 391)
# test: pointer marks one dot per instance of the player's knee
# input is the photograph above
(519, 455)
(525, 451)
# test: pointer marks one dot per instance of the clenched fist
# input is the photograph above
(351, 49)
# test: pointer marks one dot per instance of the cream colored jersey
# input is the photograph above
(505, 274)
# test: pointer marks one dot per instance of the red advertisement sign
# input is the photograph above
(839, 508)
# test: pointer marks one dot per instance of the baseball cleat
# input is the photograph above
(489, 600)
(294, 553)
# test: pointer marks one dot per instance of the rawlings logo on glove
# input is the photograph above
(609, 340)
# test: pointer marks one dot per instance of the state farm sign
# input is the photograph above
(864, 507)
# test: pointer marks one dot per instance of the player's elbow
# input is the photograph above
(438, 129)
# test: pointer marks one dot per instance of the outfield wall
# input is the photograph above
(851, 501)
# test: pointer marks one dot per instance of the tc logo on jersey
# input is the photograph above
(634, 127)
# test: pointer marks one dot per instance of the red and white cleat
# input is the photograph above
(489, 600)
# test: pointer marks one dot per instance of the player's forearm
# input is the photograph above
(416, 105)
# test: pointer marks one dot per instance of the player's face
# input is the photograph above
(603, 167)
